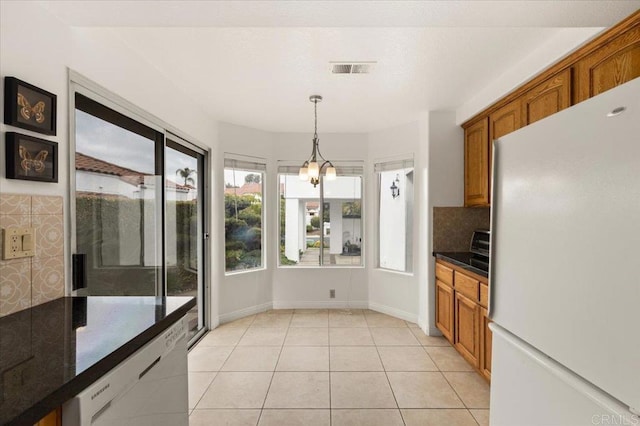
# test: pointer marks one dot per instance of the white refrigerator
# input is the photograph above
(565, 267)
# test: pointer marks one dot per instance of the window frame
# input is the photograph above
(259, 166)
(289, 168)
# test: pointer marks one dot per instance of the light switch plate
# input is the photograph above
(18, 243)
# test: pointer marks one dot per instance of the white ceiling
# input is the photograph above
(256, 62)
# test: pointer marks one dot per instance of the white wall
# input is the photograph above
(243, 293)
(392, 292)
(309, 286)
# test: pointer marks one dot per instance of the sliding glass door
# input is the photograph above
(119, 201)
(139, 208)
(185, 230)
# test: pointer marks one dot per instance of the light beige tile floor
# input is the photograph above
(331, 368)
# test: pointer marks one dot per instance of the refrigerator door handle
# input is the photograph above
(494, 220)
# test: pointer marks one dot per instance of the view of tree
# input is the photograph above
(243, 232)
(352, 209)
(315, 222)
(186, 175)
(252, 177)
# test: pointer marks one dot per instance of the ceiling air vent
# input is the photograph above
(352, 67)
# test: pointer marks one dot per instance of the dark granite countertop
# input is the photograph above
(53, 351)
(466, 260)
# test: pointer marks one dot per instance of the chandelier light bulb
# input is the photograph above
(331, 173)
(303, 174)
(314, 170)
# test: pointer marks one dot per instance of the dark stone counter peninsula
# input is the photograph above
(51, 352)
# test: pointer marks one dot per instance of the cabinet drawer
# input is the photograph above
(467, 286)
(484, 295)
(444, 274)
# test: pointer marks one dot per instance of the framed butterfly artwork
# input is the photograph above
(29, 107)
(30, 158)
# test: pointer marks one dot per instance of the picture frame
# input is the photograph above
(31, 158)
(29, 107)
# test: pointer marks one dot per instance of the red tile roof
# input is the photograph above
(87, 163)
(247, 188)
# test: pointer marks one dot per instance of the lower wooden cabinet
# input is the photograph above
(54, 418)
(461, 314)
(467, 328)
(444, 309)
(486, 338)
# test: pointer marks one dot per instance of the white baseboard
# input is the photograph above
(335, 304)
(241, 313)
(398, 313)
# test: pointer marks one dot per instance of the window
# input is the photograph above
(243, 215)
(321, 226)
(395, 215)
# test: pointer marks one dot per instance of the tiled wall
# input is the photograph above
(34, 280)
(454, 226)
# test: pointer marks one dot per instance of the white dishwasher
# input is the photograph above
(150, 388)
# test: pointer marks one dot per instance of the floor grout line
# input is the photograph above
(389, 382)
(275, 367)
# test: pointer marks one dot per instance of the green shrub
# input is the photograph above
(315, 222)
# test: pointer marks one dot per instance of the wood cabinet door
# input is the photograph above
(547, 98)
(467, 329)
(613, 64)
(505, 120)
(486, 338)
(54, 418)
(444, 310)
(476, 164)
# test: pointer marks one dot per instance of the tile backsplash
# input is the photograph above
(453, 226)
(34, 280)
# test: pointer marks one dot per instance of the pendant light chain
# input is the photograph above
(315, 113)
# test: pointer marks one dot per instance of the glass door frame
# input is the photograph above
(78, 83)
(203, 211)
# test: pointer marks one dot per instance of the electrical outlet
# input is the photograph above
(18, 242)
(332, 294)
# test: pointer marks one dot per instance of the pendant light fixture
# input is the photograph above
(311, 169)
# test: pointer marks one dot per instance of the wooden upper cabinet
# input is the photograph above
(476, 164)
(505, 120)
(615, 63)
(549, 97)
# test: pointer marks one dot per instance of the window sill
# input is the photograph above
(391, 271)
(244, 271)
(321, 267)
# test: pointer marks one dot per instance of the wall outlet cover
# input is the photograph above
(18, 243)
